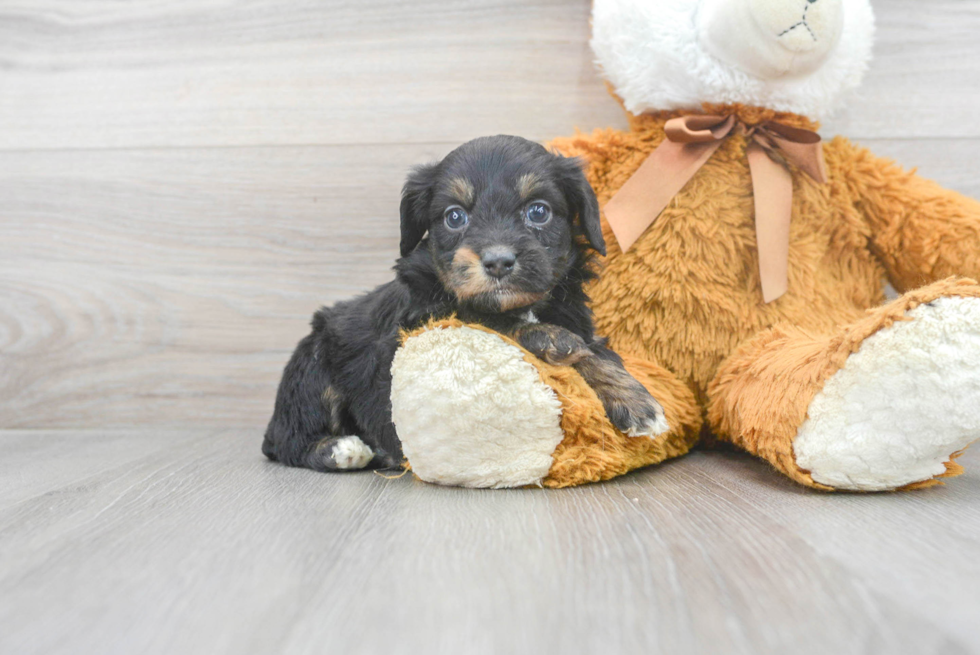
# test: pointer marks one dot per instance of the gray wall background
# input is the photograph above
(183, 182)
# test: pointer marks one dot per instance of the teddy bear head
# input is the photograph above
(797, 56)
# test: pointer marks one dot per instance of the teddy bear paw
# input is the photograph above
(471, 412)
(901, 406)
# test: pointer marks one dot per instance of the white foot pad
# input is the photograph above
(901, 405)
(351, 453)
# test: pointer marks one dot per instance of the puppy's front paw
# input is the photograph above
(553, 344)
(638, 416)
(628, 404)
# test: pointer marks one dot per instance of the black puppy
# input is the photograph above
(509, 230)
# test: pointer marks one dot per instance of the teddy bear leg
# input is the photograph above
(886, 402)
(473, 408)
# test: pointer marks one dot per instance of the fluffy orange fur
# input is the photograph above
(687, 293)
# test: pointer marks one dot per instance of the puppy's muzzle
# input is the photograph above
(498, 262)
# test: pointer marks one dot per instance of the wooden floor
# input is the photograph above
(183, 182)
(162, 542)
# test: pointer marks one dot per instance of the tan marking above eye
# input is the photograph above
(462, 189)
(526, 184)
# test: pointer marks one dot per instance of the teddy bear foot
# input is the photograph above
(471, 412)
(902, 406)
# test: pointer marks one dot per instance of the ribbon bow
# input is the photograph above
(690, 142)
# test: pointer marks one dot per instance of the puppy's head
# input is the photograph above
(506, 220)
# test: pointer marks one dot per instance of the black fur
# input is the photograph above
(338, 380)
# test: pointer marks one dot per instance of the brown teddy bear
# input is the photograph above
(744, 278)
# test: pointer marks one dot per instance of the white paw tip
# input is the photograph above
(351, 453)
(652, 428)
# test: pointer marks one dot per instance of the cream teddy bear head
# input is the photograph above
(798, 56)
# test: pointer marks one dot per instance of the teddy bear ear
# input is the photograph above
(582, 200)
(416, 196)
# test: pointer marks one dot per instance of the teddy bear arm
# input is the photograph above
(919, 231)
(473, 408)
(593, 450)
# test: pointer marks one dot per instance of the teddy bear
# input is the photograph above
(744, 282)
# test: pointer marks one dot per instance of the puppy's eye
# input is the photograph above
(456, 218)
(537, 213)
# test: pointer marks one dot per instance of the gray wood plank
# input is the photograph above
(36, 462)
(918, 549)
(169, 286)
(104, 74)
(924, 79)
(206, 548)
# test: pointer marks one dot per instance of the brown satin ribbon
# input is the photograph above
(690, 142)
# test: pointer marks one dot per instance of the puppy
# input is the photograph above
(501, 233)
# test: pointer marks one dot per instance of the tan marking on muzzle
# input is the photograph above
(466, 276)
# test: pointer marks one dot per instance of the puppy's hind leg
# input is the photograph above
(346, 453)
(339, 450)
(311, 427)
(332, 448)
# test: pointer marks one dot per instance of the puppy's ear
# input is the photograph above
(416, 196)
(582, 200)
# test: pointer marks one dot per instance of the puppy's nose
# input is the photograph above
(498, 262)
